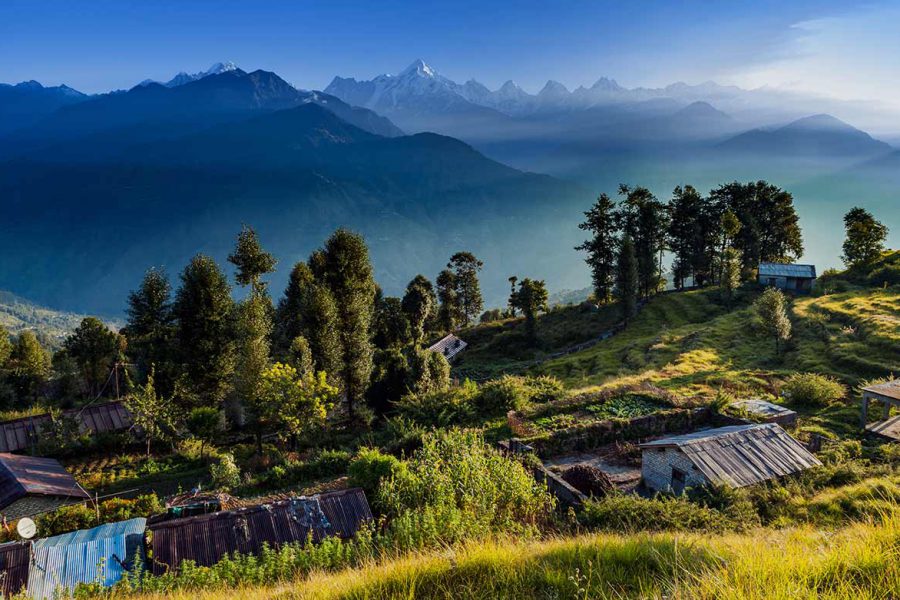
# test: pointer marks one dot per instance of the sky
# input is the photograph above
(839, 49)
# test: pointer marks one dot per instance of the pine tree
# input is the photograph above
(204, 314)
(600, 221)
(301, 357)
(530, 298)
(348, 275)
(645, 220)
(465, 268)
(250, 260)
(253, 328)
(150, 329)
(29, 366)
(390, 326)
(627, 279)
(448, 316)
(419, 304)
(95, 348)
(865, 237)
(685, 233)
(731, 273)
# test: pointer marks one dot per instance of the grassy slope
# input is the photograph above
(860, 561)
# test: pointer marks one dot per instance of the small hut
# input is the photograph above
(450, 346)
(790, 278)
(736, 456)
(102, 554)
(30, 485)
(888, 394)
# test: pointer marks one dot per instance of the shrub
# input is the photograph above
(629, 513)
(326, 463)
(371, 467)
(588, 480)
(544, 388)
(81, 516)
(885, 275)
(499, 396)
(441, 408)
(812, 389)
(461, 487)
(225, 473)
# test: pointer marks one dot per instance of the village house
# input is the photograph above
(449, 346)
(735, 456)
(30, 485)
(790, 278)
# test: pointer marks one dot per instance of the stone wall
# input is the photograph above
(656, 469)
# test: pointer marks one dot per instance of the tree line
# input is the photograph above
(716, 238)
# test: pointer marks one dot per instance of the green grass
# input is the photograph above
(859, 561)
(502, 347)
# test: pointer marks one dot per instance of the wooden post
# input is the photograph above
(865, 409)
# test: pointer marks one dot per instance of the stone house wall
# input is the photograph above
(657, 464)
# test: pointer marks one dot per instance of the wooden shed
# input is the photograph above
(787, 277)
(736, 456)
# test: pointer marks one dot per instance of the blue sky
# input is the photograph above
(832, 48)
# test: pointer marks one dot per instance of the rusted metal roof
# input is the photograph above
(741, 455)
(14, 560)
(449, 346)
(769, 269)
(29, 475)
(102, 554)
(23, 434)
(206, 539)
(888, 389)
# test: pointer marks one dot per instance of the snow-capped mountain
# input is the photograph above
(183, 77)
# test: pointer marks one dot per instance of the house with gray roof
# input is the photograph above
(735, 456)
(449, 346)
(30, 485)
(790, 278)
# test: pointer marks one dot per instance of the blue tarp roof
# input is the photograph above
(101, 554)
(768, 269)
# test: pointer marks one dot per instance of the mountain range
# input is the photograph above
(94, 189)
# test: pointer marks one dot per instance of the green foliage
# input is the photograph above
(441, 408)
(631, 513)
(420, 305)
(865, 237)
(370, 467)
(291, 404)
(203, 311)
(627, 278)
(812, 389)
(28, 365)
(94, 347)
(224, 472)
(154, 415)
(499, 396)
(83, 516)
(772, 316)
(644, 220)
(391, 326)
(464, 267)
(150, 329)
(731, 273)
(530, 298)
(456, 480)
(601, 247)
(253, 330)
(205, 423)
(250, 260)
(323, 464)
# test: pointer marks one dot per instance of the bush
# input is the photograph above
(885, 275)
(630, 513)
(440, 408)
(544, 388)
(499, 396)
(81, 516)
(588, 480)
(327, 463)
(225, 472)
(812, 389)
(456, 486)
(371, 467)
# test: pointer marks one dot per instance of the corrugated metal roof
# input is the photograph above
(102, 554)
(888, 389)
(24, 433)
(24, 475)
(763, 408)
(15, 558)
(741, 455)
(206, 539)
(768, 269)
(449, 346)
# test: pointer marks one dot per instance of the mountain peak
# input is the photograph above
(219, 67)
(607, 85)
(419, 68)
(820, 122)
(703, 110)
(554, 88)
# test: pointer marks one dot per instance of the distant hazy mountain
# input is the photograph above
(182, 77)
(25, 103)
(106, 124)
(818, 135)
(80, 234)
(18, 314)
